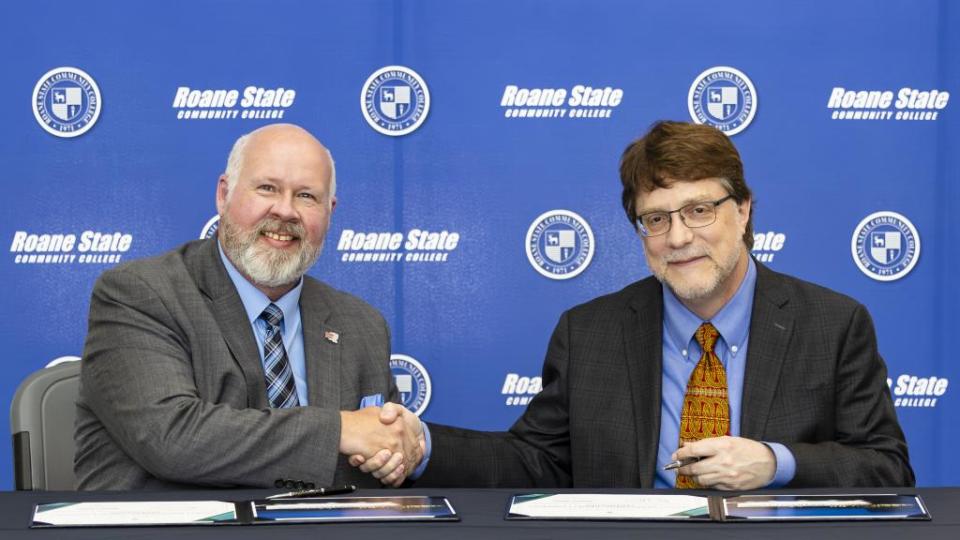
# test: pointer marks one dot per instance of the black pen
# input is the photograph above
(319, 492)
(680, 463)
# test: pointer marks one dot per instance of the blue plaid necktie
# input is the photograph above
(280, 389)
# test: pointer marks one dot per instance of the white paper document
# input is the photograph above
(608, 506)
(134, 513)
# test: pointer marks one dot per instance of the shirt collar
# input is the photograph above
(732, 321)
(254, 301)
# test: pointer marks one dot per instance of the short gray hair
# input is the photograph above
(235, 164)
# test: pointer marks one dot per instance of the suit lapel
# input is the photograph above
(643, 335)
(321, 343)
(228, 310)
(770, 329)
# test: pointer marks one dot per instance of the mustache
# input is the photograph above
(686, 254)
(281, 227)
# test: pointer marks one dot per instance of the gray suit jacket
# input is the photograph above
(173, 392)
(814, 382)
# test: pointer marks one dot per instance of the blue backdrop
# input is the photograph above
(822, 154)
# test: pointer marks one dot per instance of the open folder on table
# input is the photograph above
(300, 510)
(674, 507)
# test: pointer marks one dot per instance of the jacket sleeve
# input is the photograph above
(869, 448)
(534, 453)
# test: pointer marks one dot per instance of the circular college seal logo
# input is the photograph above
(66, 102)
(413, 382)
(559, 244)
(885, 246)
(724, 98)
(210, 227)
(395, 100)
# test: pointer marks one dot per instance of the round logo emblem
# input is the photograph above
(395, 100)
(559, 244)
(885, 246)
(66, 102)
(210, 228)
(413, 382)
(724, 98)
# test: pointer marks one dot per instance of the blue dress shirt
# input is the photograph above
(254, 302)
(681, 353)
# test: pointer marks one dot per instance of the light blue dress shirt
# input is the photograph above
(254, 302)
(681, 353)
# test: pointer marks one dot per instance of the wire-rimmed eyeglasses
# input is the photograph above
(693, 215)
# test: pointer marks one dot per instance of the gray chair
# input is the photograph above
(41, 421)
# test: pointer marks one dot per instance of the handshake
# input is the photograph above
(386, 442)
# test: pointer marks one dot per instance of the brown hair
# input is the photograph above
(682, 152)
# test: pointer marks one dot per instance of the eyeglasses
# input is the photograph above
(694, 216)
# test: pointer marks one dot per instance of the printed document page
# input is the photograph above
(607, 506)
(133, 513)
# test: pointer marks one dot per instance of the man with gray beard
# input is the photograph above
(715, 372)
(222, 364)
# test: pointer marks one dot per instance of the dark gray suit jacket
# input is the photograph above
(173, 392)
(814, 382)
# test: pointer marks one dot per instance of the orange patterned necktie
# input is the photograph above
(706, 409)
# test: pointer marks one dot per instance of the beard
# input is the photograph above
(706, 282)
(262, 264)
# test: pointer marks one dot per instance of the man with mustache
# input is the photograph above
(744, 377)
(222, 364)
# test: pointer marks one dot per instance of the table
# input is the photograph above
(481, 513)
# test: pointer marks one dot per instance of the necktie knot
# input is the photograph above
(707, 336)
(272, 316)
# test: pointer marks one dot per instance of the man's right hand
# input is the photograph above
(391, 467)
(381, 446)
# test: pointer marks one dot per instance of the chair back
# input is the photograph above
(41, 421)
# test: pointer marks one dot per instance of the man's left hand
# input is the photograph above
(729, 463)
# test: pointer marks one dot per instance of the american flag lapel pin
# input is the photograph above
(332, 337)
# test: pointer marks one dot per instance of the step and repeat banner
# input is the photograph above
(477, 147)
